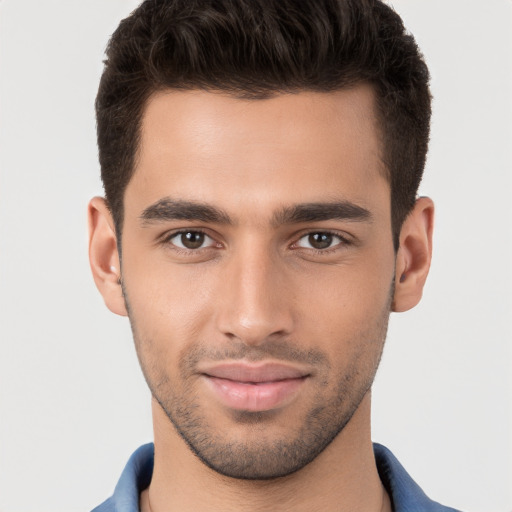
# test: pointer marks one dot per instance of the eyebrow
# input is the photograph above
(167, 209)
(315, 212)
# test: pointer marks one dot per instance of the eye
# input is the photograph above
(320, 241)
(191, 240)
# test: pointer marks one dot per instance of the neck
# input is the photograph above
(343, 477)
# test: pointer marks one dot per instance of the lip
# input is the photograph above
(254, 387)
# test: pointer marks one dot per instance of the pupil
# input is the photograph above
(320, 240)
(192, 239)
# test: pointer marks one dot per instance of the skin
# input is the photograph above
(258, 287)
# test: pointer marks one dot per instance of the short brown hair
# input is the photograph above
(257, 48)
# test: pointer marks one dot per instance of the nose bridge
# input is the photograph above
(254, 306)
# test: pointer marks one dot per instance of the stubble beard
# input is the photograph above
(257, 457)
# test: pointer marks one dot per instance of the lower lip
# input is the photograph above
(254, 397)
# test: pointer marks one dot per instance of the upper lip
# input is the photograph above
(254, 372)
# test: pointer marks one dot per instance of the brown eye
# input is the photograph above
(191, 240)
(320, 241)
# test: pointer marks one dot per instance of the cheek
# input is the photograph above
(346, 311)
(167, 314)
(167, 303)
(351, 294)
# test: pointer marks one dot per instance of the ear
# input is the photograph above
(414, 255)
(104, 256)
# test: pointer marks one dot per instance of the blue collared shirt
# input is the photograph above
(405, 494)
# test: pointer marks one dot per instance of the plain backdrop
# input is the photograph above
(73, 403)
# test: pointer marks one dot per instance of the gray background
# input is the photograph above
(73, 404)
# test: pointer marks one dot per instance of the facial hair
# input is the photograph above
(257, 456)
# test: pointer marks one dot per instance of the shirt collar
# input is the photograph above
(405, 494)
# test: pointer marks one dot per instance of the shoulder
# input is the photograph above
(135, 478)
(405, 493)
(106, 506)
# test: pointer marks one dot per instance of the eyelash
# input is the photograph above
(166, 240)
(344, 241)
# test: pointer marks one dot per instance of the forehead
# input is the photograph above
(305, 146)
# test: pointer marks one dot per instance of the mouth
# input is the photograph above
(254, 387)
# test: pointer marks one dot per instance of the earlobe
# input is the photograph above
(414, 255)
(104, 256)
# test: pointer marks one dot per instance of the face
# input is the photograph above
(258, 269)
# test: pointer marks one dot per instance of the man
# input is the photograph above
(261, 160)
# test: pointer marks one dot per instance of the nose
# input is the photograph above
(256, 298)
